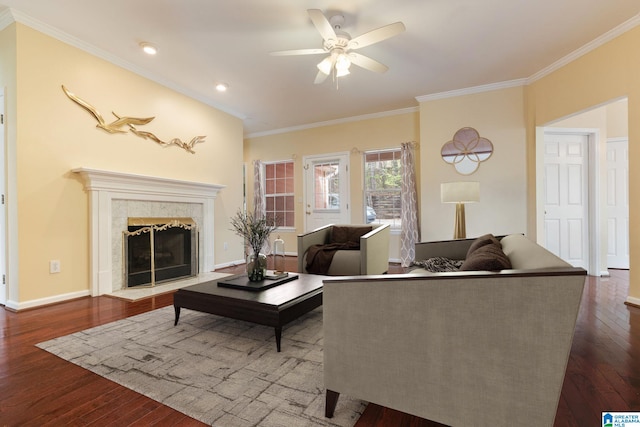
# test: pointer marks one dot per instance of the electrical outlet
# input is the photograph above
(54, 266)
(226, 246)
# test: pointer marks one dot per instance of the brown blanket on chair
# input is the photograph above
(319, 257)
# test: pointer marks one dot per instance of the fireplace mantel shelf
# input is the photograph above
(101, 180)
(106, 186)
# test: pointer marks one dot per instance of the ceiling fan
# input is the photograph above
(339, 46)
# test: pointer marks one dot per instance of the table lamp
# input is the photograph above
(460, 193)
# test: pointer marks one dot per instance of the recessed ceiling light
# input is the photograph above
(222, 87)
(148, 48)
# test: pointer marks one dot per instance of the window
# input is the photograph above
(382, 186)
(326, 183)
(278, 193)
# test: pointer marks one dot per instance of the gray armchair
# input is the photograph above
(371, 258)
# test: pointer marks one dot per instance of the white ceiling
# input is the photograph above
(448, 45)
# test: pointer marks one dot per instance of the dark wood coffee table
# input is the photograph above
(275, 307)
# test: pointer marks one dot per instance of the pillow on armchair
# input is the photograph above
(344, 234)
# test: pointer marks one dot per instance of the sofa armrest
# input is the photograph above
(374, 250)
(319, 236)
(459, 349)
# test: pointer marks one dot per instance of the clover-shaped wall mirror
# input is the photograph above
(466, 150)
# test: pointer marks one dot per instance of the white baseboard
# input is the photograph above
(604, 273)
(633, 301)
(17, 306)
(229, 264)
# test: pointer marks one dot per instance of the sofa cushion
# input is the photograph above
(344, 234)
(486, 254)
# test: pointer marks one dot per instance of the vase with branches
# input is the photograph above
(255, 231)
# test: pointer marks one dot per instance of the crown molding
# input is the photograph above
(335, 122)
(472, 90)
(57, 34)
(6, 18)
(592, 45)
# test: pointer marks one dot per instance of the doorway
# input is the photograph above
(603, 209)
(326, 190)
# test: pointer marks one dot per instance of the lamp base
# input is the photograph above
(460, 229)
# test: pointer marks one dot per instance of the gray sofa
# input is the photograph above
(472, 348)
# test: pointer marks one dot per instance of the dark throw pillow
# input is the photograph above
(487, 239)
(344, 234)
(489, 257)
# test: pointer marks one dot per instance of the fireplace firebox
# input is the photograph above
(158, 250)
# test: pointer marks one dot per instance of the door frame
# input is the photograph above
(306, 163)
(624, 139)
(593, 190)
(3, 212)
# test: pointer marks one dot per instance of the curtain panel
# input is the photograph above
(409, 231)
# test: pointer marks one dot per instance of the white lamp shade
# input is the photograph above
(325, 65)
(460, 192)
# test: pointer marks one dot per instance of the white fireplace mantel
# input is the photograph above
(106, 186)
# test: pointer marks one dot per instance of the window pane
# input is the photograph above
(382, 182)
(289, 203)
(269, 187)
(269, 171)
(289, 217)
(326, 185)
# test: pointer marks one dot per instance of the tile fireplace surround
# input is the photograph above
(113, 196)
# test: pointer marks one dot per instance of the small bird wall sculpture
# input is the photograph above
(130, 123)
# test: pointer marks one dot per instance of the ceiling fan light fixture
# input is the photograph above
(342, 73)
(342, 64)
(325, 65)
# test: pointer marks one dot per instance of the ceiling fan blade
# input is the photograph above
(320, 77)
(367, 63)
(322, 24)
(298, 52)
(377, 35)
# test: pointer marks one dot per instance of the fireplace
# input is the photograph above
(115, 196)
(157, 250)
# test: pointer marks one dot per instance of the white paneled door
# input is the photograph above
(326, 183)
(566, 223)
(617, 203)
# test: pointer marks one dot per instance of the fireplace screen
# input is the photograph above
(160, 249)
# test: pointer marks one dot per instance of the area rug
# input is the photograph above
(220, 371)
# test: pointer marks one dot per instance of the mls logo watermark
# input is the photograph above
(621, 419)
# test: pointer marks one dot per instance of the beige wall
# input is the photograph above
(354, 137)
(618, 119)
(54, 135)
(497, 115)
(607, 73)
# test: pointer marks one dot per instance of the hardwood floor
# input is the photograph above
(38, 389)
